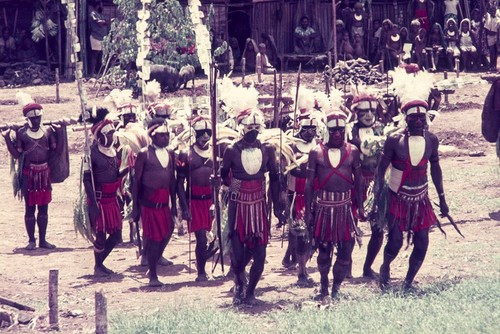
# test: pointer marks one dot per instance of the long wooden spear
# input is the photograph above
(215, 191)
(296, 98)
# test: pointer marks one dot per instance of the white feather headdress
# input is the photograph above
(119, 97)
(236, 98)
(24, 98)
(152, 91)
(413, 86)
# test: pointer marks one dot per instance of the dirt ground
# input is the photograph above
(472, 185)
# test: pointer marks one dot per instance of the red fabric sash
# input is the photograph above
(334, 169)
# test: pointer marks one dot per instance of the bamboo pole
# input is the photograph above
(334, 27)
(53, 299)
(101, 313)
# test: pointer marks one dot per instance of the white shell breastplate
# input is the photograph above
(365, 134)
(35, 135)
(416, 145)
(251, 159)
(334, 157)
(163, 157)
(305, 147)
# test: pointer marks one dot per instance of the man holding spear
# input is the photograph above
(195, 165)
(101, 180)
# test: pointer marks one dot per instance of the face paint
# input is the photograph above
(161, 139)
(251, 127)
(34, 122)
(202, 138)
(106, 139)
(366, 117)
(416, 123)
(336, 137)
(251, 136)
(308, 133)
(201, 133)
(129, 118)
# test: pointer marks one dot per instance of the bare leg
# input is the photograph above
(342, 264)
(421, 243)
(394, 244)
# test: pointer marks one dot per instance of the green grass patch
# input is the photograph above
(181, 319)
(448, 306)
(444, 307)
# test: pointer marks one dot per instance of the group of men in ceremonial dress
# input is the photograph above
(331, 177)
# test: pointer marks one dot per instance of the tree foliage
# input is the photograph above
(171, 34)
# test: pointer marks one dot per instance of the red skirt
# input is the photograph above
(156, 222)
(200, 209)
(37, 185)
(251, 213)
(110, 218)
(333, 217)
(412, 215)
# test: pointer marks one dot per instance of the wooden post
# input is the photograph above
(446, 94)
(334, 26)
(57, 85)
(457, 67)
(59, 38)
(15, 21)
(53, 299)
(101, 313)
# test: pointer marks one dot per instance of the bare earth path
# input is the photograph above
(472, 185)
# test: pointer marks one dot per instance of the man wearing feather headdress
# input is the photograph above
(368, 137)
(154, 194)
(298, 241)
(244, 166)
(131, 138)
(195, 165)
(33, 144)
(101, 180)
(409, 151)
(336, 165)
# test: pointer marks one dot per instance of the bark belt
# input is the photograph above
(154, 205)
(201, 197)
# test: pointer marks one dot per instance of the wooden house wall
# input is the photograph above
(265, 19)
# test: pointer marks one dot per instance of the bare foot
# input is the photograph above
(100, 271)
(201, 278)
(47, 245)
(30, 246)
(164, 262)
(305, 282)
(370, 273)
(155, 283)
